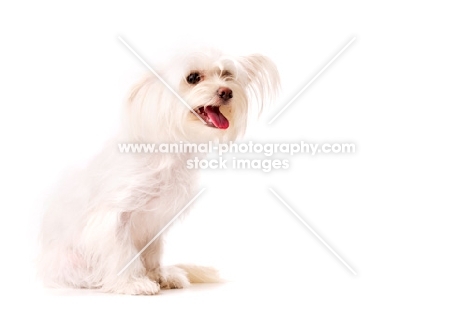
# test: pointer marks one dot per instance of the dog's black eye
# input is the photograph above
(193, 78)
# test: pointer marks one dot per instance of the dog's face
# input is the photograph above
(215, 95)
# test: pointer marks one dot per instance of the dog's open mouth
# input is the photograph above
(212, 116)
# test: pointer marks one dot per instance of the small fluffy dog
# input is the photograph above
(102, 216)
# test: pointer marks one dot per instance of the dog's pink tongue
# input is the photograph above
(216, 117)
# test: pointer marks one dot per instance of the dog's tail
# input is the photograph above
(200, 274)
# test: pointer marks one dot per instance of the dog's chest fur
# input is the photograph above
(163, 187)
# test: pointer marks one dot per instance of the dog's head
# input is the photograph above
(200, 97)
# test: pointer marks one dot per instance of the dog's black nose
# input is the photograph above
(225, 93)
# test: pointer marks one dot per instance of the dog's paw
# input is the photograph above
(170, 277)
(141, 286)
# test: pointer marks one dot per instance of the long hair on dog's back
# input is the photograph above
(99, 218)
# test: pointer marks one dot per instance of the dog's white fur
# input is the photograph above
(101, 217)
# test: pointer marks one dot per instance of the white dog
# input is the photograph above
(101, 217)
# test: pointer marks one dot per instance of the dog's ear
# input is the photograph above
(139, 91)
(263, 78)
(134, 106)
(145, 114)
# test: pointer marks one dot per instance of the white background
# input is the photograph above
(395, 210)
